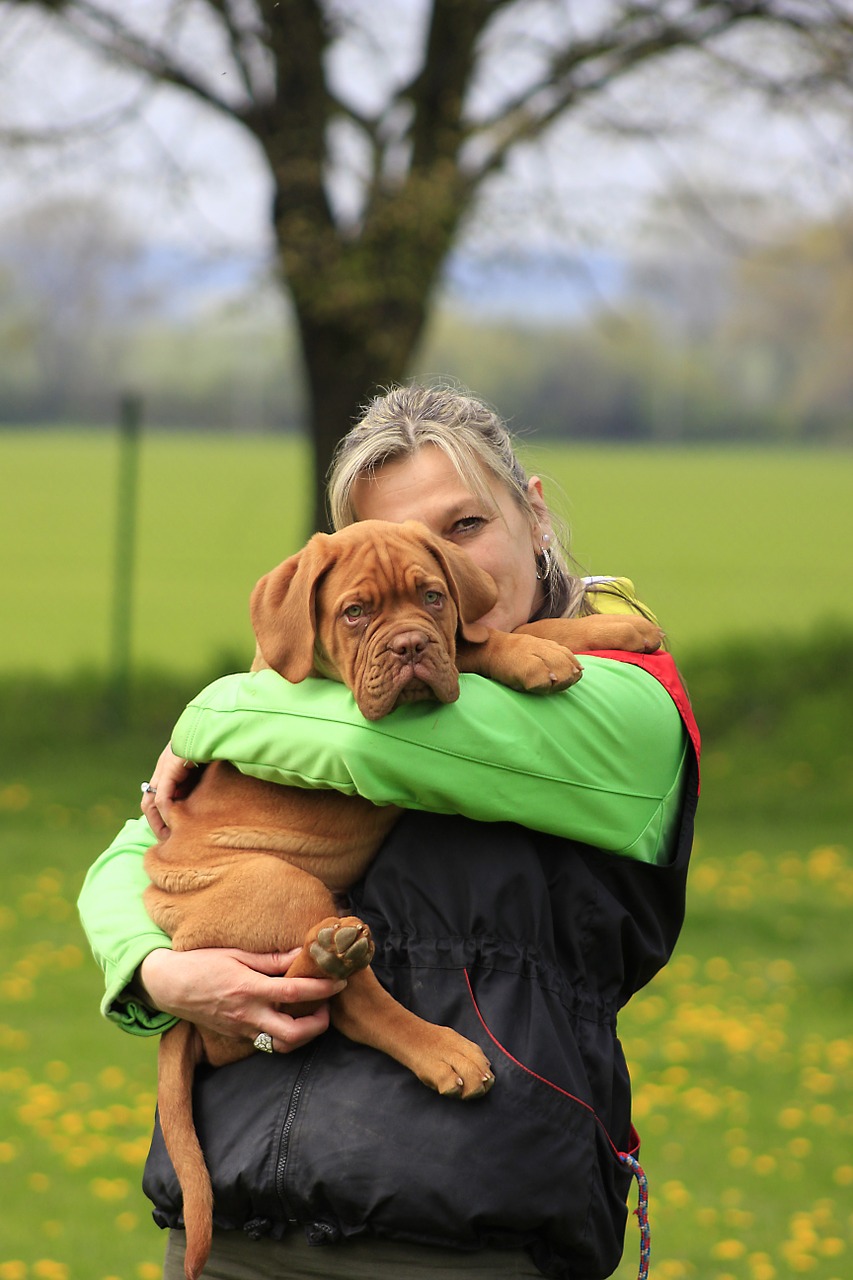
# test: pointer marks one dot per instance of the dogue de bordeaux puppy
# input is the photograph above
(391, 611)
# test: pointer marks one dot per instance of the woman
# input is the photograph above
(540, 885)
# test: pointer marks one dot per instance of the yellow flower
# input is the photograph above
(13, 1270)
(728, 1250)
(761, 1268)
(110, 1188)
(48, 1269)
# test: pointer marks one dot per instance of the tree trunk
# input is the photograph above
(342, 372)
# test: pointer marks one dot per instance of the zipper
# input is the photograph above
(284, 1139)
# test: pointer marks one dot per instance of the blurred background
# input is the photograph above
(629, 226)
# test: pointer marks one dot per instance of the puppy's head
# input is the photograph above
(377, 606)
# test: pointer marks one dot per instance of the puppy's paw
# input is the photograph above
(340, 947)
(633, 634)
(541, 666)
(453, 1066)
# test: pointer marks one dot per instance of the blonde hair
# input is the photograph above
(475, 439)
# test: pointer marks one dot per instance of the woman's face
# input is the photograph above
(496, 533)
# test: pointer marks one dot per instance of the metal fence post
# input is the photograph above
(130, 416)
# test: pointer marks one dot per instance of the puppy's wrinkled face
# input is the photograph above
(376, 605)
(386, 623)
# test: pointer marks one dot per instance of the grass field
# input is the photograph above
(741, 1051)
(721, 542)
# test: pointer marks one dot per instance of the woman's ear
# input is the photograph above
(540, 507)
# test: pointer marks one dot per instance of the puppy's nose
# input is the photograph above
(409, 645)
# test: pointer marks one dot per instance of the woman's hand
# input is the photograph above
(237, 993)
(172, 779)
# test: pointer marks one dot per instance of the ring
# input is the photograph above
(147, 789)
(263, 1042)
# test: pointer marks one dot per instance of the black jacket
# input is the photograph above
(554, 938)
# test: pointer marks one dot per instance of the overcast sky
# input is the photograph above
(183, 173)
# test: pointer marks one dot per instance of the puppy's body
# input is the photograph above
(392, 612)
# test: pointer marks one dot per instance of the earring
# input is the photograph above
(545, 559)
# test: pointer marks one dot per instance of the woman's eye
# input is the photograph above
(468, 524)
(434, 598)
(354, 611)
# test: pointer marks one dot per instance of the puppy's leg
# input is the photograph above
(440, 1058)
(599, 631)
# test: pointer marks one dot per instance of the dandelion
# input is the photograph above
(13, 1270)
(728, 1250)
(48, 1269)
(110, 1188)
(112, 1078)
(14, 799)
(676, 1193)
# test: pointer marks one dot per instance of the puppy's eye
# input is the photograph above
(354, 612)
(434, 598)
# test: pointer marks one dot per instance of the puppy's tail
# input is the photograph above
(180, 1053)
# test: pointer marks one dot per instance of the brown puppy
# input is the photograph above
(390, 610)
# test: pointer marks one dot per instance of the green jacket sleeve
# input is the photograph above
(120, 931)
(601, 762)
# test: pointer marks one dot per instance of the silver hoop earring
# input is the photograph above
(544, 560)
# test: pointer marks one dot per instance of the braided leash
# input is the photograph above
(641, 1212)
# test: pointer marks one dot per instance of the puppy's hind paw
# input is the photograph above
(340, 947)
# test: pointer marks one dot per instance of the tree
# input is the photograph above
(372, 186)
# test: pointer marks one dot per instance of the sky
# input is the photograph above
(184, 175)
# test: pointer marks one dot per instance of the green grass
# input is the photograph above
(741, 1051)
(720, 541)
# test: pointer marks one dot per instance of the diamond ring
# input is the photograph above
(263, 1042)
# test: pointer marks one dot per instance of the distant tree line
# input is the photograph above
(755, 349)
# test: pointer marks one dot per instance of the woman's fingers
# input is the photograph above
(173, 779)
(292, 1033)
(238, 993)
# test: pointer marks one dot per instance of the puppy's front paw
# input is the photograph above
(340, 947)
(453, 1066)
(543, 666)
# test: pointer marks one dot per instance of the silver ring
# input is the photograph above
(147, 789)
(263, 1042)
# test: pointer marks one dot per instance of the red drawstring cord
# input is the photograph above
(624, 1157)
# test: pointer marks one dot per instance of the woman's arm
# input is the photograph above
(149, 986)
(600, 762)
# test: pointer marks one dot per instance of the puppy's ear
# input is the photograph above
(283, 610)
(473, 590)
